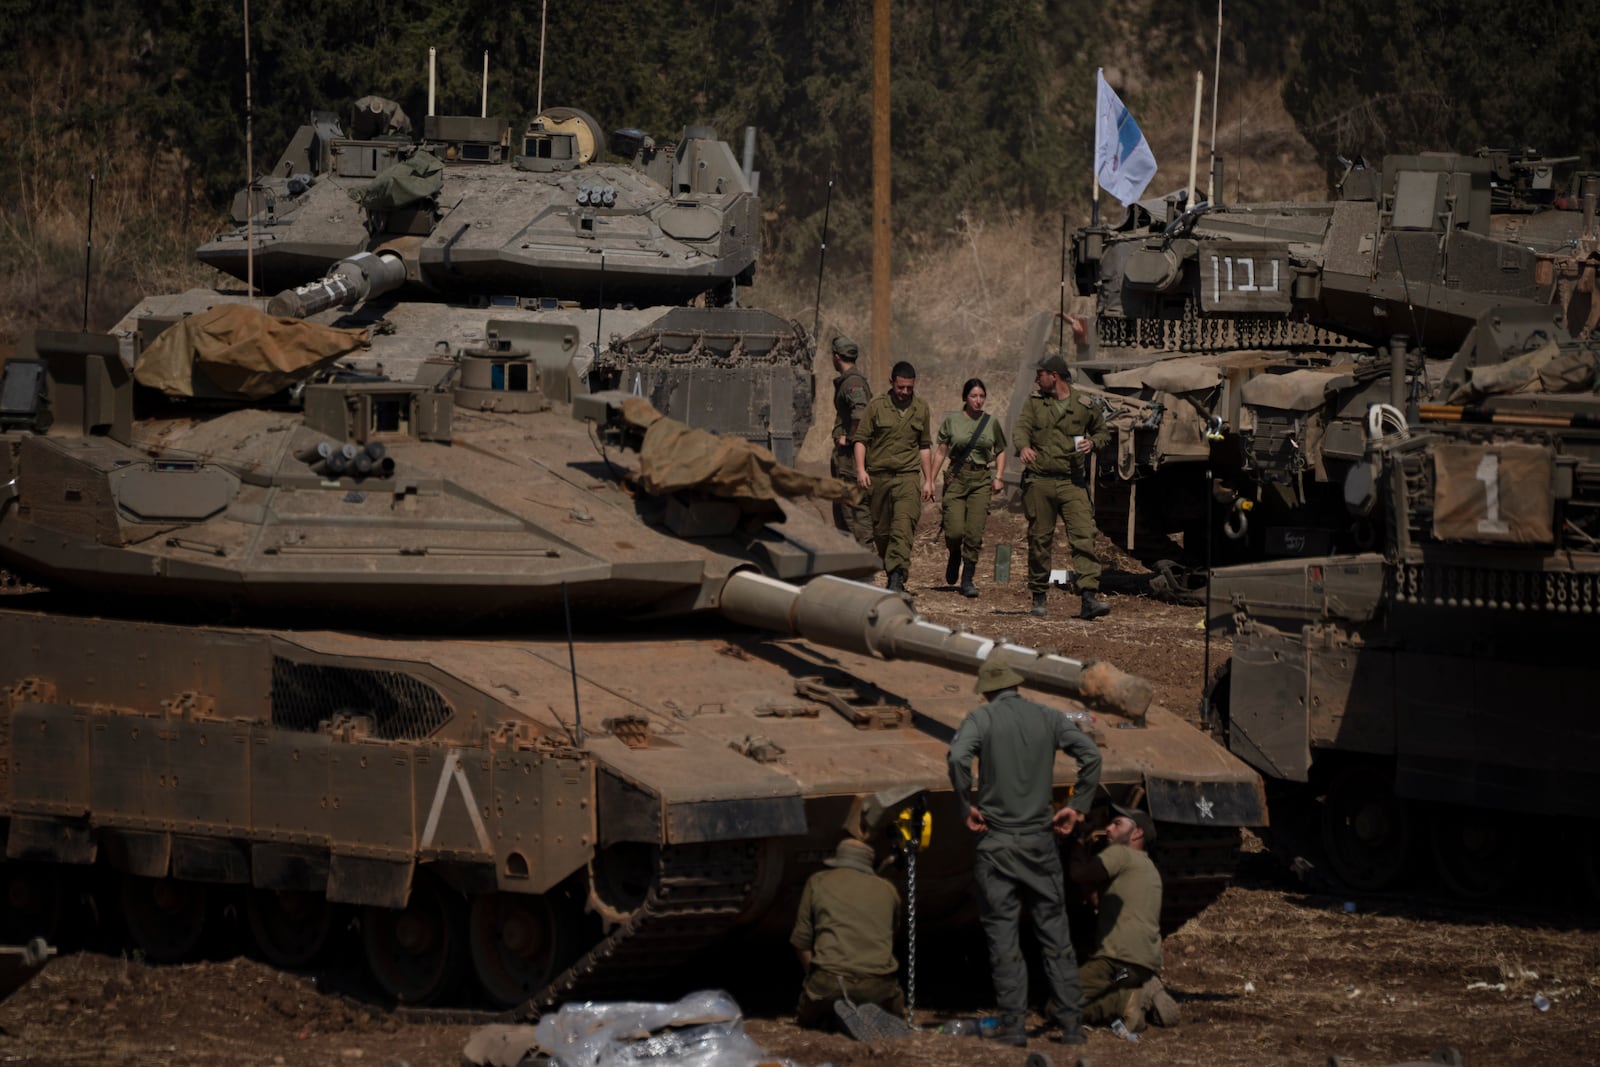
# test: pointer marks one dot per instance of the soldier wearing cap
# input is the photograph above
(844, 935)
(1121, 979)
(850, 396)
(894, 463)
(1015, 741)
(1055, 433)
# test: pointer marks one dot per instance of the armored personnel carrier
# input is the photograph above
(1395, 396)
(541, 684)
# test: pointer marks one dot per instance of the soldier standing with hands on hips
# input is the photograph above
(894, 455)
(1055, 434)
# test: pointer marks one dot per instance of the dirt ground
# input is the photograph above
(1270, 974)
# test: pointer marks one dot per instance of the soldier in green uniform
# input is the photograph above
(844, 934)
(850, 396)
(976, 446)
(1015, 741)
(894, 457)
(1055, 433)
(1121, 979)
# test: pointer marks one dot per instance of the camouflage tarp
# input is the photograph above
(406, 182)
(241, 350)
(1547, 369)
(675, 457)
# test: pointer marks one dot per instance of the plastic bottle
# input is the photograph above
(1541, 1002)
(1120, 1028)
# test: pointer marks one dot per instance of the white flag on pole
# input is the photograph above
(1122, 159)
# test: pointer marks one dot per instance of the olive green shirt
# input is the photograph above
(847, 922)
(1048, 425)
(1130, 908)
(1016, 742)
(850, 396)
(956, 430)
(894, 437)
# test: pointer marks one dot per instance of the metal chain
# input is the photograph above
(911, 930)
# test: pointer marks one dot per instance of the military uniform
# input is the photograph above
(967, 490)
(895, 439)
(1056, 483)
(847, 921)
(850, 397)
(1128, 952)
(1015, 741)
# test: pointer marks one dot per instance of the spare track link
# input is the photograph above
(698, 893)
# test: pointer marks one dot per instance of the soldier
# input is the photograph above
(1055, 433)
(850, 396)
(1015, 741)
(893, 452)
(977, 449)
(844, 935)
(1122, 976)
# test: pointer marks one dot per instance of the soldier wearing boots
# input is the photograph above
(976, 447)
(894, 463)
(1015, 741)
(850, 396)
(1055, 434)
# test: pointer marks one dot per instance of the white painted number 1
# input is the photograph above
(1489, 474)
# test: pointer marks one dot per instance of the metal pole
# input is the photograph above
(249, 170)
(1215, 194)
(572, 665)
(880, 196)
(1061, 309)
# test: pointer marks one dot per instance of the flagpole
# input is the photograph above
(1194, 140)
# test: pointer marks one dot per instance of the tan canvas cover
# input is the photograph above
(1544, 370)
(675, 457)
(241, 350)
(1299, 390)
(1496, 492)
(1168, 376)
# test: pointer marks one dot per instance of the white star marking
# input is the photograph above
(1205, 807)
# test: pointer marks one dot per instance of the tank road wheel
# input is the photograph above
(1366, 830)
(166, 917)
(1475, 852)
(292, 929)
(31, 902)
(416, 953)
(519, 943)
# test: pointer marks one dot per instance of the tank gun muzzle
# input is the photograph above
(348, 282)
(866, 619)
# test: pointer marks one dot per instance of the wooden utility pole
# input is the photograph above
(878, 366)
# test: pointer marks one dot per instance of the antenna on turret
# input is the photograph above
(1215, 195)
(816, 315)
(572, 665)
(1061, 311)
(249, 170)
(88, 254)
(538, 106)
(433, 71)
(600, 304)
(483, 108)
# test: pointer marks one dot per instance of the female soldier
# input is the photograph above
(972, 440)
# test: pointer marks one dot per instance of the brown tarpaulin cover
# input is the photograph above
(675, 457)
(241, 350)
(1493, 492)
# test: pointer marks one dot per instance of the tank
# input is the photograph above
(1250, 340)
(550, 690)
(1394, 397)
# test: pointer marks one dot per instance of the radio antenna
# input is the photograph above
(249, 170)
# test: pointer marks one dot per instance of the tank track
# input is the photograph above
(699, 892)
(1196, 863)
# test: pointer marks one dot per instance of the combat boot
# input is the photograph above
(1009, 1032)
(1093, 606)
(1159, 1007)
(897, 581)
(969, 587)
(1038, 605)
(952, 567)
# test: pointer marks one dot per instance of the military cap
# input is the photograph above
(1055, 365)
(843, 346)
(1140, 819)
(995, 674)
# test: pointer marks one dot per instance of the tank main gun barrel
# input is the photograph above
(863, 618)
(349, 281)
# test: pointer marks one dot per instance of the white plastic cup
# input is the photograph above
(1077, 442)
